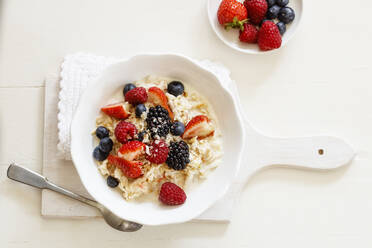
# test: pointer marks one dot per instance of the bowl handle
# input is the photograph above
(319, 152)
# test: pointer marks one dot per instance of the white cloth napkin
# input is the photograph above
(80, 69)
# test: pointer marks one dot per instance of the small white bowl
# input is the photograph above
(231, 37)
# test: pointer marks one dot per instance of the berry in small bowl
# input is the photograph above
(239, 34)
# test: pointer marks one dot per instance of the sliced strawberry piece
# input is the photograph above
(131, 150)
(199, 126)
(116, 110)
(157, 97)
(131, 169)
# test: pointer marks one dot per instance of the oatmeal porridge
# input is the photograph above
(161, 138)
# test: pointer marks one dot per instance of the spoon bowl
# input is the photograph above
(117, 222)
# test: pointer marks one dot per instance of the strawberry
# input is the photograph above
(125, 131)
(131, 150)
(136, 96)
(116, 110)
(269, 36)
(256, 10)
(171, 194)
(157, 97)
(198, 126)
(231, 13)
(249, 33)
(131, 169)
(158, 152)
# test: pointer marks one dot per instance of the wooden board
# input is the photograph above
(298, 152)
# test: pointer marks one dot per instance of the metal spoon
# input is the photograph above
(26, 176)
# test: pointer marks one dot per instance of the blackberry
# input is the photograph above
(178, 156)
(158, 121)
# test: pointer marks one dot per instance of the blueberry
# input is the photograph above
(282, 28)
(282, 3)
(128, 87)
(105, 145)
(270, 3)
(141, 136)
(140, 108)
(273, 12)
(112, 182)
(286, 15)
(99, 155)
(175, 88)
(177, 128)
(102, 132)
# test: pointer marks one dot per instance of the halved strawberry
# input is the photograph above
(199, 126)
(116, 110)
(157, 97)
(131, 150)
(131, 169)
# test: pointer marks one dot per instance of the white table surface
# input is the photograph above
(319, 83)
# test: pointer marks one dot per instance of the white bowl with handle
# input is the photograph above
(245, 149)
(231, 37)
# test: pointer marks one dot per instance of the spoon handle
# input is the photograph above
(29, 177)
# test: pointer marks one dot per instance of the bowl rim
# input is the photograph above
(249, 51)
(197, 212)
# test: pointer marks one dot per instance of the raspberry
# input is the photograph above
(125, 131)
(249, 33)
(171, 194)
(269, 36)
(178, 156)
(158, 152)
(158, 121)
(256, 10)
(136, 96)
